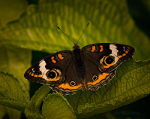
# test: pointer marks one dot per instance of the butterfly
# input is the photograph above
(88, 68)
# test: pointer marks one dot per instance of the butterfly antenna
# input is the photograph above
(69, 38)
(80, 37)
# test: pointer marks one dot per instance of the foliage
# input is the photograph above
(34, 27)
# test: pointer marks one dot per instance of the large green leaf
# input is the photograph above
(55, 106)
(2, 112)
(12, 94)
(132, 82)
(109, 21)
(12, 113)
(33, 109)
(15, 61)
(11, 10)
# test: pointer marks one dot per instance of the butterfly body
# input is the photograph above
(81, 69)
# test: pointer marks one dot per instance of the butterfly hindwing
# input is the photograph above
(94, 77)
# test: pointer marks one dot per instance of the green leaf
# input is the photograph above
(55, 106)
(132, 82)
(15, 61)
(12, 94)
(33, 109)
(13, 113)
(11, 10)
(109, 21)
(2, 111)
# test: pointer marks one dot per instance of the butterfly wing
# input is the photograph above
(62, 74)
(101, 61)
(58, 71)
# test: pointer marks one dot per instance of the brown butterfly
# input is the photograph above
(81, 69)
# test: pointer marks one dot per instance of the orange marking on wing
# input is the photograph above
(60, 56)
(53, 60)
(39, 75)
(100, 78)
(93, 48)
(67, 86)
(124, 54)
(101, 48)
(107, 66)
(54, 79)
(32, 74)
(35, 75)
